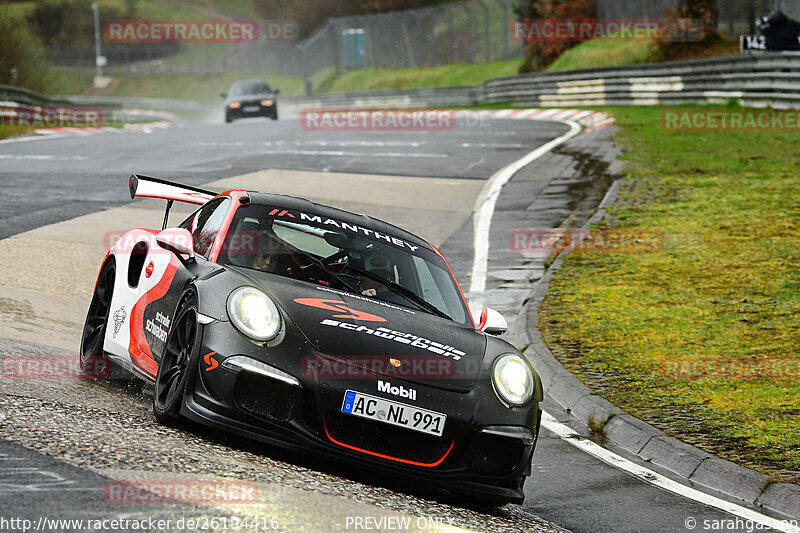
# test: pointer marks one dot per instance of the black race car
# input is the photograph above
(252, 98)
(317, 330)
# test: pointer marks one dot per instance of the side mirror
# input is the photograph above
(276, 91)
(492, 322)
(224, 95)
(176, 240)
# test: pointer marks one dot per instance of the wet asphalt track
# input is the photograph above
(46, 181)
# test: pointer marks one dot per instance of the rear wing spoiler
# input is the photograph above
(147, 187)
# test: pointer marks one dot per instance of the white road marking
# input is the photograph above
(654, 478)
(413, 144)
(484, 210)
(38, 157)
(368, 144)
(342, 153)
(490, 145)
(474, 164)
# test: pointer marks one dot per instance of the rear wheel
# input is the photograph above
(182, 343)
(93, 360)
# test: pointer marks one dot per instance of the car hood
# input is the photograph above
(388, 339)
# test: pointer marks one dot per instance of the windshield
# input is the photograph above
(249, 88)
(358, 260)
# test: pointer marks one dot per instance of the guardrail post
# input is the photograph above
(421, 33)
(407, 40)
(487, 29)
(470, 59)
(451, 48)
(504, 7)
(441, 13)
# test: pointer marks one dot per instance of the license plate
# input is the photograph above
(250, 108)
(397, 414)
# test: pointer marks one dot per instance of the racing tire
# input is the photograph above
(93, 360)
(183, 341)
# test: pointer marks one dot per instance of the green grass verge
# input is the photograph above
(610, 52)
(650, 331)
(12, 131)
(199, 88)
(603, 53)
(412, 78)
(7, 131)
(206, 88)
(66, 82)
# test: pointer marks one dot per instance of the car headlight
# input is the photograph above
(266, 103)
(513, 379)
(254, 313)
(234, 105)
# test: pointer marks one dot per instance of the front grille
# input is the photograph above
(385, 439)
(265, 397)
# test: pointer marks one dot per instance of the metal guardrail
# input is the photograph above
(764, 80)
(130, 102)
(428, 97)
(26, 97)
(111, 111)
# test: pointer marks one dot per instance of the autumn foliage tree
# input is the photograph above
(702, 12)
(540, 55)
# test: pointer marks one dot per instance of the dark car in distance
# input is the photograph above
(250, 98)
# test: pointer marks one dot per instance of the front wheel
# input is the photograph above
(173, 371)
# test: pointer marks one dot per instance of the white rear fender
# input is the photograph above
(141, 267)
